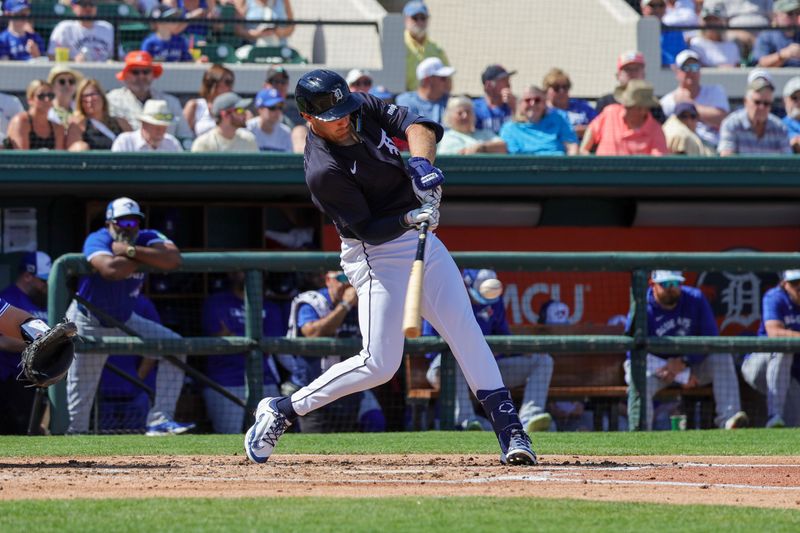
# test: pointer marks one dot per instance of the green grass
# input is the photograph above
(710, 442)
(385, 514)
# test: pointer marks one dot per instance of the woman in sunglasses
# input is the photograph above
(65, 82)
(92, 127)
(31, 129)
(197, 111)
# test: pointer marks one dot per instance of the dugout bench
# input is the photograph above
(594, 377)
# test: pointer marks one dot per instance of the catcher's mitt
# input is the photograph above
(48, 356)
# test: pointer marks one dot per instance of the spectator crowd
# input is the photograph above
(695, 118)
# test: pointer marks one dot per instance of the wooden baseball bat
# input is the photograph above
(412, 320)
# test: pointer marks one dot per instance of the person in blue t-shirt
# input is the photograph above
(19, 42)
(498, 104)
(117, 252)
(579, 113)
(780, 48)
(675, 310)
(28, 294)
(124, 405)
(167, 44)
(223, 315)
(540, 130)
(672, 42)
(772, 373)
(430, 98)
(332, 311)
(532, 370)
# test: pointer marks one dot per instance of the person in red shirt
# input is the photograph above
(627, 127)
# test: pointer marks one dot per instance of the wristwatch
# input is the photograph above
(130, 251)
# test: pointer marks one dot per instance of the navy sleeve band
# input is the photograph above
(379, 230)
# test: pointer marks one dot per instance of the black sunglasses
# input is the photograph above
(66, 81)
(45, 96)
(684, 116)
(141, 72)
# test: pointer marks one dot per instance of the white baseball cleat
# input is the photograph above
(775, 422)
(540, 422)
(261, 438)
(739, 420)
(519, 450)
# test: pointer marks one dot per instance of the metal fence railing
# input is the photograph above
(639, 342)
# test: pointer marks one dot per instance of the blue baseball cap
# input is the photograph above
(15, 6)
(415, 7)
(268, 98)
(36, 263)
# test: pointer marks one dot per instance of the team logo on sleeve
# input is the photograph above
(388, 143)
(391, 109)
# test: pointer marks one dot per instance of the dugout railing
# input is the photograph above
(638, 342)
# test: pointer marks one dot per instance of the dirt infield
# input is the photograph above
(751, 481)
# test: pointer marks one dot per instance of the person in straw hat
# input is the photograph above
(627, 127)
(65, 82)
(152, 136)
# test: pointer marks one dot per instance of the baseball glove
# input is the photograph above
(47, 357)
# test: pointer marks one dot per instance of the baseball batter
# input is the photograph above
(357, 177)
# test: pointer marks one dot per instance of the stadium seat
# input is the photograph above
(274, 54)
(219, 52)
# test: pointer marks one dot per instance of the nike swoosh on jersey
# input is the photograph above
(353, 170)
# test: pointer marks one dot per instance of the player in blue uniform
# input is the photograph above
(28, 294)
(116, 252)
(532, 370)
(223, 315)
(332, 312)
(777, 375)
(124, 405)
(674, 309)
(356, 176)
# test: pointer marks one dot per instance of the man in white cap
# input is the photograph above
(117, 253)
(230, 135)
(777, 375)
(711, 101)
(675, 310)
(359, 81)
(430, 98)
(152, 134)
(791, 102)
(418, 45)
(29, 294)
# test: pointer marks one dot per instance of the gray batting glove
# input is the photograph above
(427, 212)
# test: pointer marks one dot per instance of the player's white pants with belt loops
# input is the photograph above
(380, 275)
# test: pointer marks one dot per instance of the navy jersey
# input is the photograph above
(175, 49)
(691, 317)
(225, 311)
(117, 298)
(367, 180)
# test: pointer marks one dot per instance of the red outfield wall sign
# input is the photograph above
(597, 297)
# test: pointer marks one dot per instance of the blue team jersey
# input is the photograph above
(225, 311)
(12, 295)
(776, 305)
(691, 317)
(578, 112)
(348, 329)
(13, 46)
(117, 298)
(176, 49)
(424, 108)
(490, 118)
(113, 385)
(491, 319)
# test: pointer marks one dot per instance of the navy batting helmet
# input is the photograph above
(323, 94)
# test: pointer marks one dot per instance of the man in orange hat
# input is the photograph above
(128, 102)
